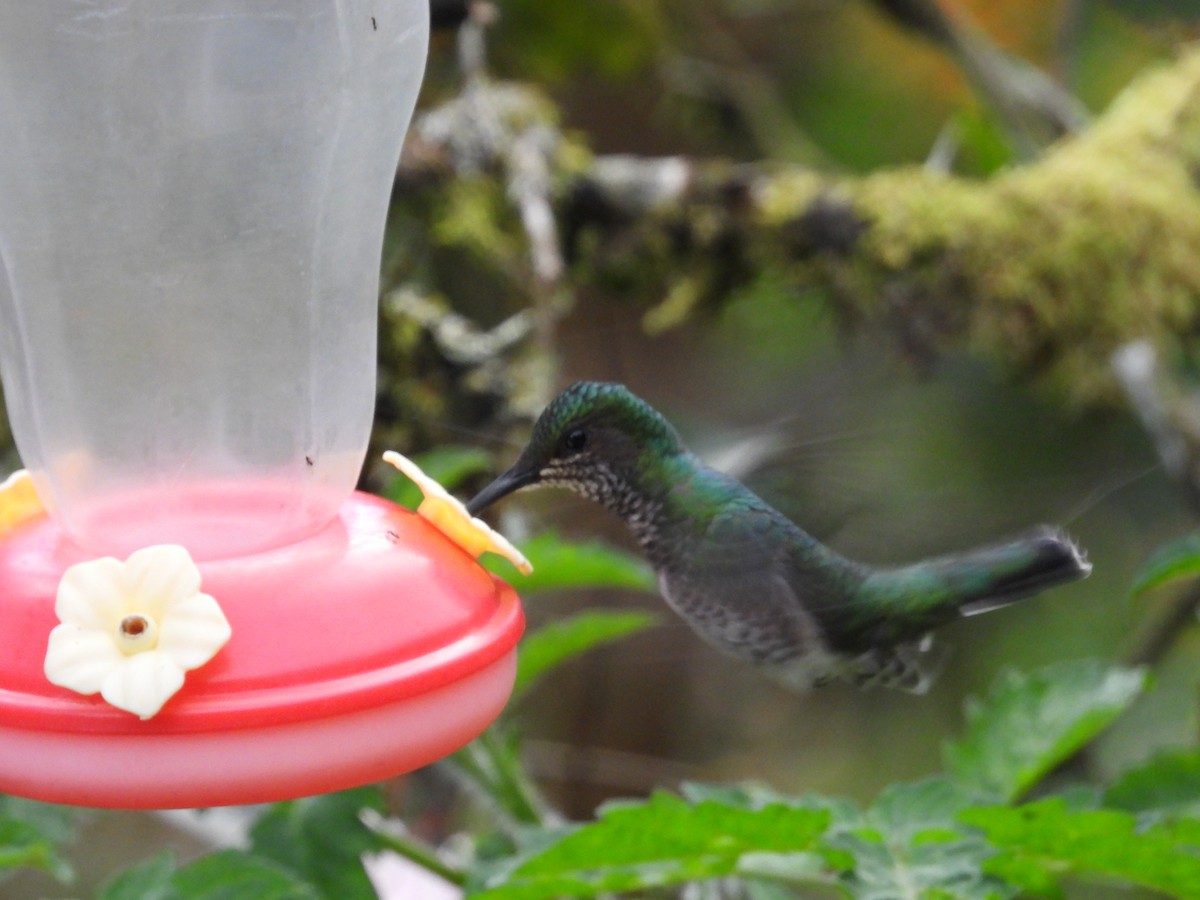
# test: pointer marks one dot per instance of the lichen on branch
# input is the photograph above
(1046, 267)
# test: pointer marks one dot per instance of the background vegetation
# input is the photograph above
(867, 258)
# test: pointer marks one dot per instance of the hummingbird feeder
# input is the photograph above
(196, 606)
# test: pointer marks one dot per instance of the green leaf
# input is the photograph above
(321, 840)
(1167, 785)
(909, 809)
(448, 466)
(982, 145)
(1178, 559)
(559, 564)
(765, 890)
(1046, 839)
(666, 841)
(26, 846)
(1029, 723)
(552, 645)
(233, 875)
(152, 880)
(31, 832)
(911, 846)
(57, 822)
(228, 875)
(1030, 876)
(843, 814)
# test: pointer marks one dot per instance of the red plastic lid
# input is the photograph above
(377, 607)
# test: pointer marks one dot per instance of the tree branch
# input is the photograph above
(1047, 267)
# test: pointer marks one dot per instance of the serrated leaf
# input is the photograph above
(552, 645)
(150, 880)
(911, 846)
(559, 564)
(1167, 785)
(1174, 560)
(234, 875)
(1102, 843)
(661, 842)
(843, 813)
(1031, 876)
(448, 466)
(322, 840)
(741, 795)
(910, 808)
(1031, 722)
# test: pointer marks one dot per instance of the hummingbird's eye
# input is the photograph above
(575, 440)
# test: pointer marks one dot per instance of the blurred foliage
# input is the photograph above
(1044, 268)
(32, 835)
(228, 874)
(1045, 838)
(552, 43)
(560, 564)
(937, 837)
(1032, 723)
(1166, 785)
(551, 645)
(1178, 559)
(963, 834)
(839, 176)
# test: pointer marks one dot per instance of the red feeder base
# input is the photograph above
(373, 648)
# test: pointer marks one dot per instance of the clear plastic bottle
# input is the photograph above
(192, 201)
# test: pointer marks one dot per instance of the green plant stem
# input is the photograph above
(495, 768)
(423, 855)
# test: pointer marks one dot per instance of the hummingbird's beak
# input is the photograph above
(512, 480)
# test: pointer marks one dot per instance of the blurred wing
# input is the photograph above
(817, 482)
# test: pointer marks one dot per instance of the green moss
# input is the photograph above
(783, 194)
(1047, 267)
(474, 214)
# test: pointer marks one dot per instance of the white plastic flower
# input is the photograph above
(451, 518)
(19, 501)
(130, 630)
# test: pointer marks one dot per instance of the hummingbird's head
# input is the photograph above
(595, 438)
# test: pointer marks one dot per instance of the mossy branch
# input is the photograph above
(1046, 267)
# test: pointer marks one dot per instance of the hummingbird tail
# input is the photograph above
(929, 593)
(884, 641)
(1000, 574)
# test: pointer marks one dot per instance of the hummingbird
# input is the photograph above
(749, 580)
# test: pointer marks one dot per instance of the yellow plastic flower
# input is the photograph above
(130, 630)
(19, 502)
(451, 518)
